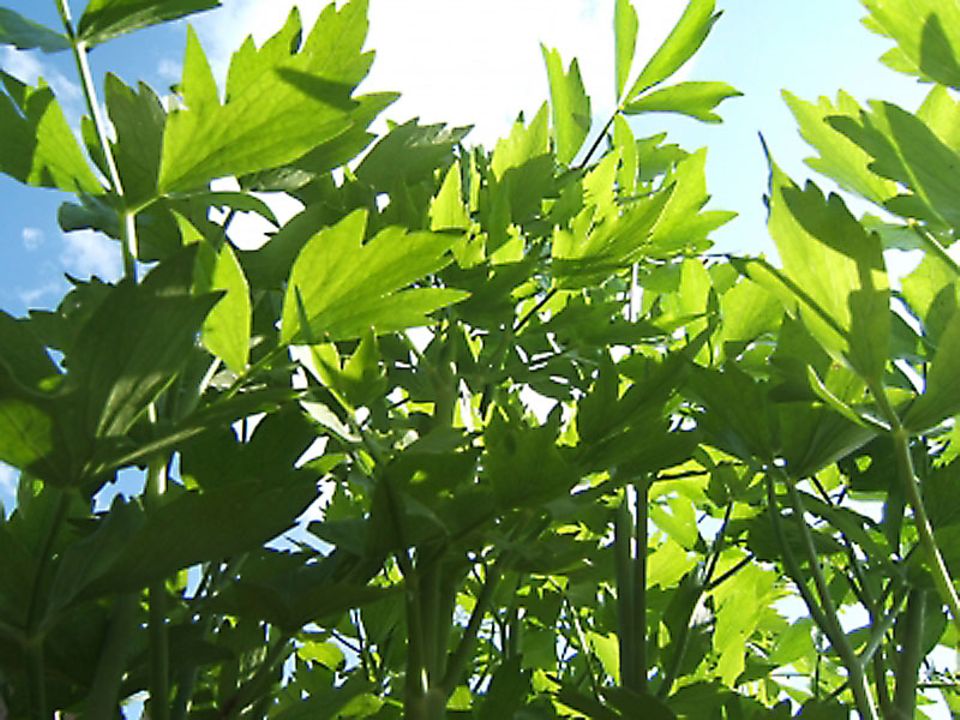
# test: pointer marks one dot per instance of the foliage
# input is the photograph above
(544, 456)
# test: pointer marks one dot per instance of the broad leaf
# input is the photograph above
(840, 158)
(838, 268)
(134, 345)
(569, 104)
(340, 287)
(927, 33)
(139, 118)
(684, 40)
(38, 146)
(309, 87)
(25, 34)
(105, 19)
(696, 99)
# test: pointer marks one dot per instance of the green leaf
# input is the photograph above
(839, 271)
(447, 210)
(909, 152)
(309, 87)
(407, 154)
(569, 104)
(696, 99)
(38, 146)
(25, 34)
(682, 225)
(343, 286)
(684, 40)
(508, 689)
(226, 330)
(927, 33)
(105, 19)
(524, 143)
(139, 119)
(625, 42)
(941, 396)
(135, 343)
(199, 527)
(840, 158)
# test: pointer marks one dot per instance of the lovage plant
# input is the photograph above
(558, 461)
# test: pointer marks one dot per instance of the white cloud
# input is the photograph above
(169, 70)
(27, 67)
(87, 253)
(33, 296)
(465, 61)
(32, 238)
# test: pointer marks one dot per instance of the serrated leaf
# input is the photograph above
(625, 42)
(839, 269)
(696, 99)
(38, 146)
(683, 41)
(927, 33)
(25, 34)
(105, 19)
(139, 119)
(346, 286)
(134, 344)
(840, 158)
(309, 87)
(569, 103)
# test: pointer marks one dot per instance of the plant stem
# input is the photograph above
(908, 479)
(857, 680)
(104, 697)
(38, 680)
(640, 586)
(622, 541)
(159, 641)
(911, 656)
(128, 227)
(465, 649)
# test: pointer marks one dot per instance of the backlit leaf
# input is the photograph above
(625, 42)
(696, 99)
(569, 103)
(345, 286)
(683, 41)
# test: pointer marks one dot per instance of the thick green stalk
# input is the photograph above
(468, 642)
(640, 588)
(104, 698)
(128, 227)
(159, 640)
(908, 479)
(911, 656)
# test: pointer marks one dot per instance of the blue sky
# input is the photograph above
(471, 61)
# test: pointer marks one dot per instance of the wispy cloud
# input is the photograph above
(86, 253)
(462, 61)
(32, 238)
(27, 67)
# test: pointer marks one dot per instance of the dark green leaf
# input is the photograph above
(25, 34)
(105, 19)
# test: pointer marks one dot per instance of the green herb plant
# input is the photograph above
(532, 450)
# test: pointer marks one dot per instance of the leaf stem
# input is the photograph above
(159, 640)
(911, 486)
(104, 697)
(128, 228)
